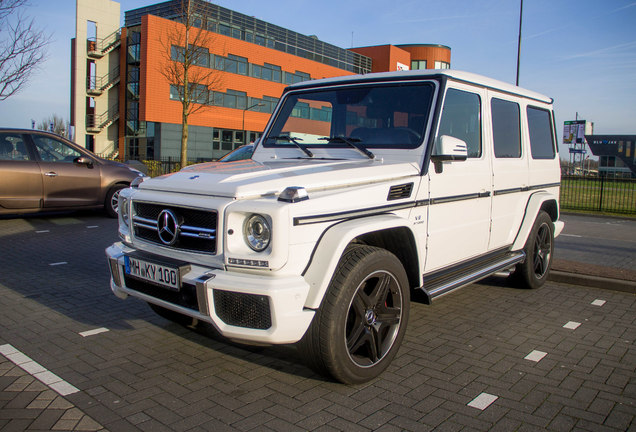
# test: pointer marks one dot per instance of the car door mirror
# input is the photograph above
(448, 148)
(83, 160)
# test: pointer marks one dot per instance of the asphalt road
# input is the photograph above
(603, 241)
(487, 357)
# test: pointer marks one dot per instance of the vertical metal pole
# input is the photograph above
(519, 43)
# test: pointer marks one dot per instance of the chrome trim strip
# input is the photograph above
(198, 229)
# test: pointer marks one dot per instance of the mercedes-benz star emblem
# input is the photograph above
(168, 227)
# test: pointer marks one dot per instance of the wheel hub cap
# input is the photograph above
(370, 317)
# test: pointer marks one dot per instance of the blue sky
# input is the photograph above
(582, 53)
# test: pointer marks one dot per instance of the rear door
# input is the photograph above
(65, 182)
(21, 180)
(510, 167)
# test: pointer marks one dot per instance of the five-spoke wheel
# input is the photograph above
(361, 322)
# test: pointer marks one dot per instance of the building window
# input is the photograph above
(175, 92)
(293, 78)
(441, 65)
(224, 29)
(241, 64)
(418, 64)
(506, 131)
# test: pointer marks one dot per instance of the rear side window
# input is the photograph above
(541, 136)
(506, 131)
(12, 147)
(461, 118)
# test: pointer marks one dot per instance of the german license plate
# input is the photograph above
(152, 272)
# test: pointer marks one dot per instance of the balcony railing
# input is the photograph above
(98, 85)
(96, 122)
(99, 47)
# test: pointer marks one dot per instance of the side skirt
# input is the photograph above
(444, 281)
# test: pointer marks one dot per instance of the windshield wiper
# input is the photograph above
(293, 141)
(351, 141)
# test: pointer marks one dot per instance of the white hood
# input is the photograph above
(248, 178)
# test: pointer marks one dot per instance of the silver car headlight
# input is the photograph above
(257, 232)
(124, 210)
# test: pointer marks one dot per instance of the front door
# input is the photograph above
(460, 193)
(65, 182)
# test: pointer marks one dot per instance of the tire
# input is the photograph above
(111, 203)
(361, 322)
(539, 248)
(171, 315)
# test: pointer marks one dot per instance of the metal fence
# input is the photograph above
(598, 194)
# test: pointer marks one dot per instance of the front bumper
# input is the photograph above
(251, 308)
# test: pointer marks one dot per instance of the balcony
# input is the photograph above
(98, 48)
(95, 86)
(96, 123)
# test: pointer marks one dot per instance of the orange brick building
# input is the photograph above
(252, 62)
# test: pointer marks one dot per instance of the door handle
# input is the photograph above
(51, 174)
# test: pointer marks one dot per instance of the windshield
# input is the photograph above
(389, 115)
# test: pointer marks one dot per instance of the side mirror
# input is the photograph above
(448, 148)
(83, 160)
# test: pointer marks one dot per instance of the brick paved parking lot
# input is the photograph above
(488, 357)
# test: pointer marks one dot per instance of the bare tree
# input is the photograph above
(187, 65)
(60, 126)
(22, 47)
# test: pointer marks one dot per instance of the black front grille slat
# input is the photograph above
(198, 227)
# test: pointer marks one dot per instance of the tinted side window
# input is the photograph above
(506, 132)
(461, 118)
(541, 136)
(52, 150)
(12, 147)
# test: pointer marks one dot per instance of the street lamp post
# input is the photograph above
(243, 124)
(519, 42)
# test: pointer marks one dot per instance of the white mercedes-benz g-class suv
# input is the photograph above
(363, 192)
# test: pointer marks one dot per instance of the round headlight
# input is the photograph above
(257, 232)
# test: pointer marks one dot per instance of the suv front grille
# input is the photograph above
(191, 229)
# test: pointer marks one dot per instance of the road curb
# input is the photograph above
(592, 281)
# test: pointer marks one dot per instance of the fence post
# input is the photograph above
(600, 201)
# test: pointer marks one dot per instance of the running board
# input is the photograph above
(439, 283)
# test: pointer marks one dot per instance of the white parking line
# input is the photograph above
(37, 371)
(571, 235)
(482, 401)
(93, 332)
(58, 263)
(92, 226)
(535, 356)
(42, 231)
(571, 325)
(598, 302)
